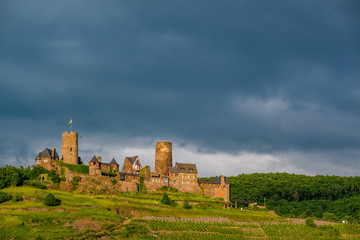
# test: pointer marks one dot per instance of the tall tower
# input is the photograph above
(163, 157)
(70, 148)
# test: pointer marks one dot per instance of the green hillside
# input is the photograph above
(132, 215)
(294, 195)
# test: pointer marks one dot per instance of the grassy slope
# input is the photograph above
(86, 217)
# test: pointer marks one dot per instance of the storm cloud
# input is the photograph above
(263, 86)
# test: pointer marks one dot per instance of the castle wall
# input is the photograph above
(216, 190)
(163, 157)
(70, 148)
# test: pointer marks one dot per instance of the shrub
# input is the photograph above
(113, 181)
(75, 182)
(54, 177)
(5, 197)
(186, 205)
(172, 189)
(309, 222)
(50, 200)
(307, 213)
(17, 198)
(165, 199)
(329, 217)
(35, 184)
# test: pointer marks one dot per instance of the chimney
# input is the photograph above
(53, 153)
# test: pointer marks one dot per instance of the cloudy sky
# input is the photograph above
(237, 86)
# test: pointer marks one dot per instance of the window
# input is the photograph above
(176, 174)
(182, 169)
(70, 149)
(190, 170)
(174, 181)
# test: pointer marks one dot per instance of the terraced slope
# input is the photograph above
(143, 216)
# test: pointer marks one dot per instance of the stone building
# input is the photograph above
(218, 188)
(182, 174)
(131, 165)
(98, 168)
(47, 159)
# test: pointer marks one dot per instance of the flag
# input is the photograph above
(70, 121)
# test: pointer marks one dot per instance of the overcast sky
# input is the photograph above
(236, 86)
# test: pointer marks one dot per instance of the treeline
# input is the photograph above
(12, 176)
(295, 195)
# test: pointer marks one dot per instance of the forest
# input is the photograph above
(295, 195)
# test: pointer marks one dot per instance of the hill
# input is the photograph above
(134, 215)
(294, 195)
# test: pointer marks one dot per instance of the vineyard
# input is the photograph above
(180, 229)
(134, 215)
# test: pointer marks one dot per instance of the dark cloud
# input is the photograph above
(263, 77)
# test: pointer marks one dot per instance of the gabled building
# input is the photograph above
(183, 174)
(98, 168)
(131, 165)
(47, 159)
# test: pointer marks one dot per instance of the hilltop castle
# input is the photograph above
(182, 176)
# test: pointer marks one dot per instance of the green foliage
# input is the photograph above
(329, 217)
(327, 232)
(186, 204)
(284, 192)
(142, 171)
(4, 197)
(141, 186)
(54, 177)
(63, 172)
(75, 182)
(34, 173)
(308, 213)
(132, 229)
(17, 198)
(113, 181)
(36, 184)
(254, 207)
(82, 169)
(309, 222)
(50, 200)
(166, 200)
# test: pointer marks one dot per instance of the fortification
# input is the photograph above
(163, 157)
(70, 148)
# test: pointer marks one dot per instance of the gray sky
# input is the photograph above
(237, 86)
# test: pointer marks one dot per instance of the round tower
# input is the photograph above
(70, 148)
(163, 157)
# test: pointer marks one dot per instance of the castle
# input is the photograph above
(182, 176)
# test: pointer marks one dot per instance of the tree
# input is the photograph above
(5, 197)
(50, 200)
(310, 222)
(186, 205)
(329, 217)
(166, 200)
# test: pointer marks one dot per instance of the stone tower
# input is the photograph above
(163, 157)
(70, 148)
